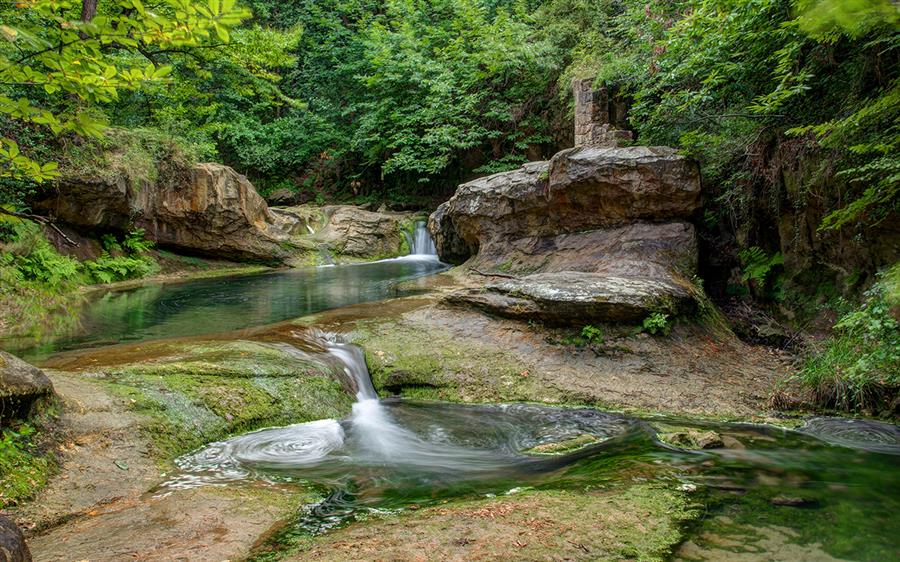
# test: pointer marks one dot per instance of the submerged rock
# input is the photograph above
(12, 542)
(564, 446)
(21, 385)
(690, 438)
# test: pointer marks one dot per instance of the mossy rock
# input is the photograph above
(210, 391)
(688, 437)
(564, 446)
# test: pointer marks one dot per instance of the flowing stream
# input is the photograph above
(833, 483)
(840, 475)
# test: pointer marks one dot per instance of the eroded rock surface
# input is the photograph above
(596, 234)
(21, 384)
(556, 298)
(208, 209)
(355, 232)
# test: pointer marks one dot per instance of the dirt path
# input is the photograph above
(98, 506)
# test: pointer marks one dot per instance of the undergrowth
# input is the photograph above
(858, 367)
(38, 285)
(24, 467)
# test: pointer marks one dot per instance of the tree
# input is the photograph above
(62, 60)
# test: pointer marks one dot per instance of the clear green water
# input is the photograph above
(223, 304)
(841, 476)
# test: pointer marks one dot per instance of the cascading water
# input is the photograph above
(393, 453)
(422, 244)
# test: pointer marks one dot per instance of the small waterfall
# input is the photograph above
(422, 244)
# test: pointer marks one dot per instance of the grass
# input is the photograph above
(26, 458)
(857, 369)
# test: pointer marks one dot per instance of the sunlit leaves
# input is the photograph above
(48, 50)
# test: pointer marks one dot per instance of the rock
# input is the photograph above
(688, 438)
(12, 543)
(593, 235)
(568, 297)
(604, 186)
(21, 384)
(351, 231)
(208, 209)
(793, 501)
(284, 197)
(578, 190)
(565, 446)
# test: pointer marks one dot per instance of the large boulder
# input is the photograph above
(21, 385)
(580, 189)
(357, 233)
(595, 234)
(206, 209)
(12, 543)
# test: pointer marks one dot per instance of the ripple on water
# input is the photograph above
(867, 435)
(248, 456)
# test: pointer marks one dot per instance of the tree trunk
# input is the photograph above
(88, 9)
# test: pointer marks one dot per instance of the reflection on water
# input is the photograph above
(229, 303)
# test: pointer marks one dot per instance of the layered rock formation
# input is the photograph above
(351, 231)
(208, 209)
(595, 234)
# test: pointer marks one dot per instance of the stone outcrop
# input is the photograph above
(598, 234)
(12, 542)
(207, 209)
(21, 385)
(579, 189)
(354, 232)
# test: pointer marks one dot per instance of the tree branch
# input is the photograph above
(40, 220)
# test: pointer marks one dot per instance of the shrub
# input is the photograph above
(858, 367)
(592, 334)
(657, 322)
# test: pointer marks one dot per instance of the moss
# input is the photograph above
(444, 369)
(635, 522)
(563, 447)
(211, 391)
(27, 458)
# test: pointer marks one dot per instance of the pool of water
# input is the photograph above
(833, 483)
(223, 304)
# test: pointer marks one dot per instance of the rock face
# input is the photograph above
(207, 209)
(351, 231)
(596, 234)
(21, 385)
(12, 543)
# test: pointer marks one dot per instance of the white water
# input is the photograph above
(422, 244)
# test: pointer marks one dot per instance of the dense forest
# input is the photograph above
(580, 279)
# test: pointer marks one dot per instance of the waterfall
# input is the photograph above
(422, 244)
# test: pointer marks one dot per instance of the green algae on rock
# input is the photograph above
(207, 391)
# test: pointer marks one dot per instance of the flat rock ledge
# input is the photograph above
(557, 298)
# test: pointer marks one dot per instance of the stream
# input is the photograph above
(832, 483)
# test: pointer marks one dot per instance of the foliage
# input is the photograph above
(657, 323)
(23, 469)
(59, 62)
(444, 78)
(121, 260)
(759, 270)
(592, 334)
(858, 367)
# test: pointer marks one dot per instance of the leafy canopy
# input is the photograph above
(59, 64)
